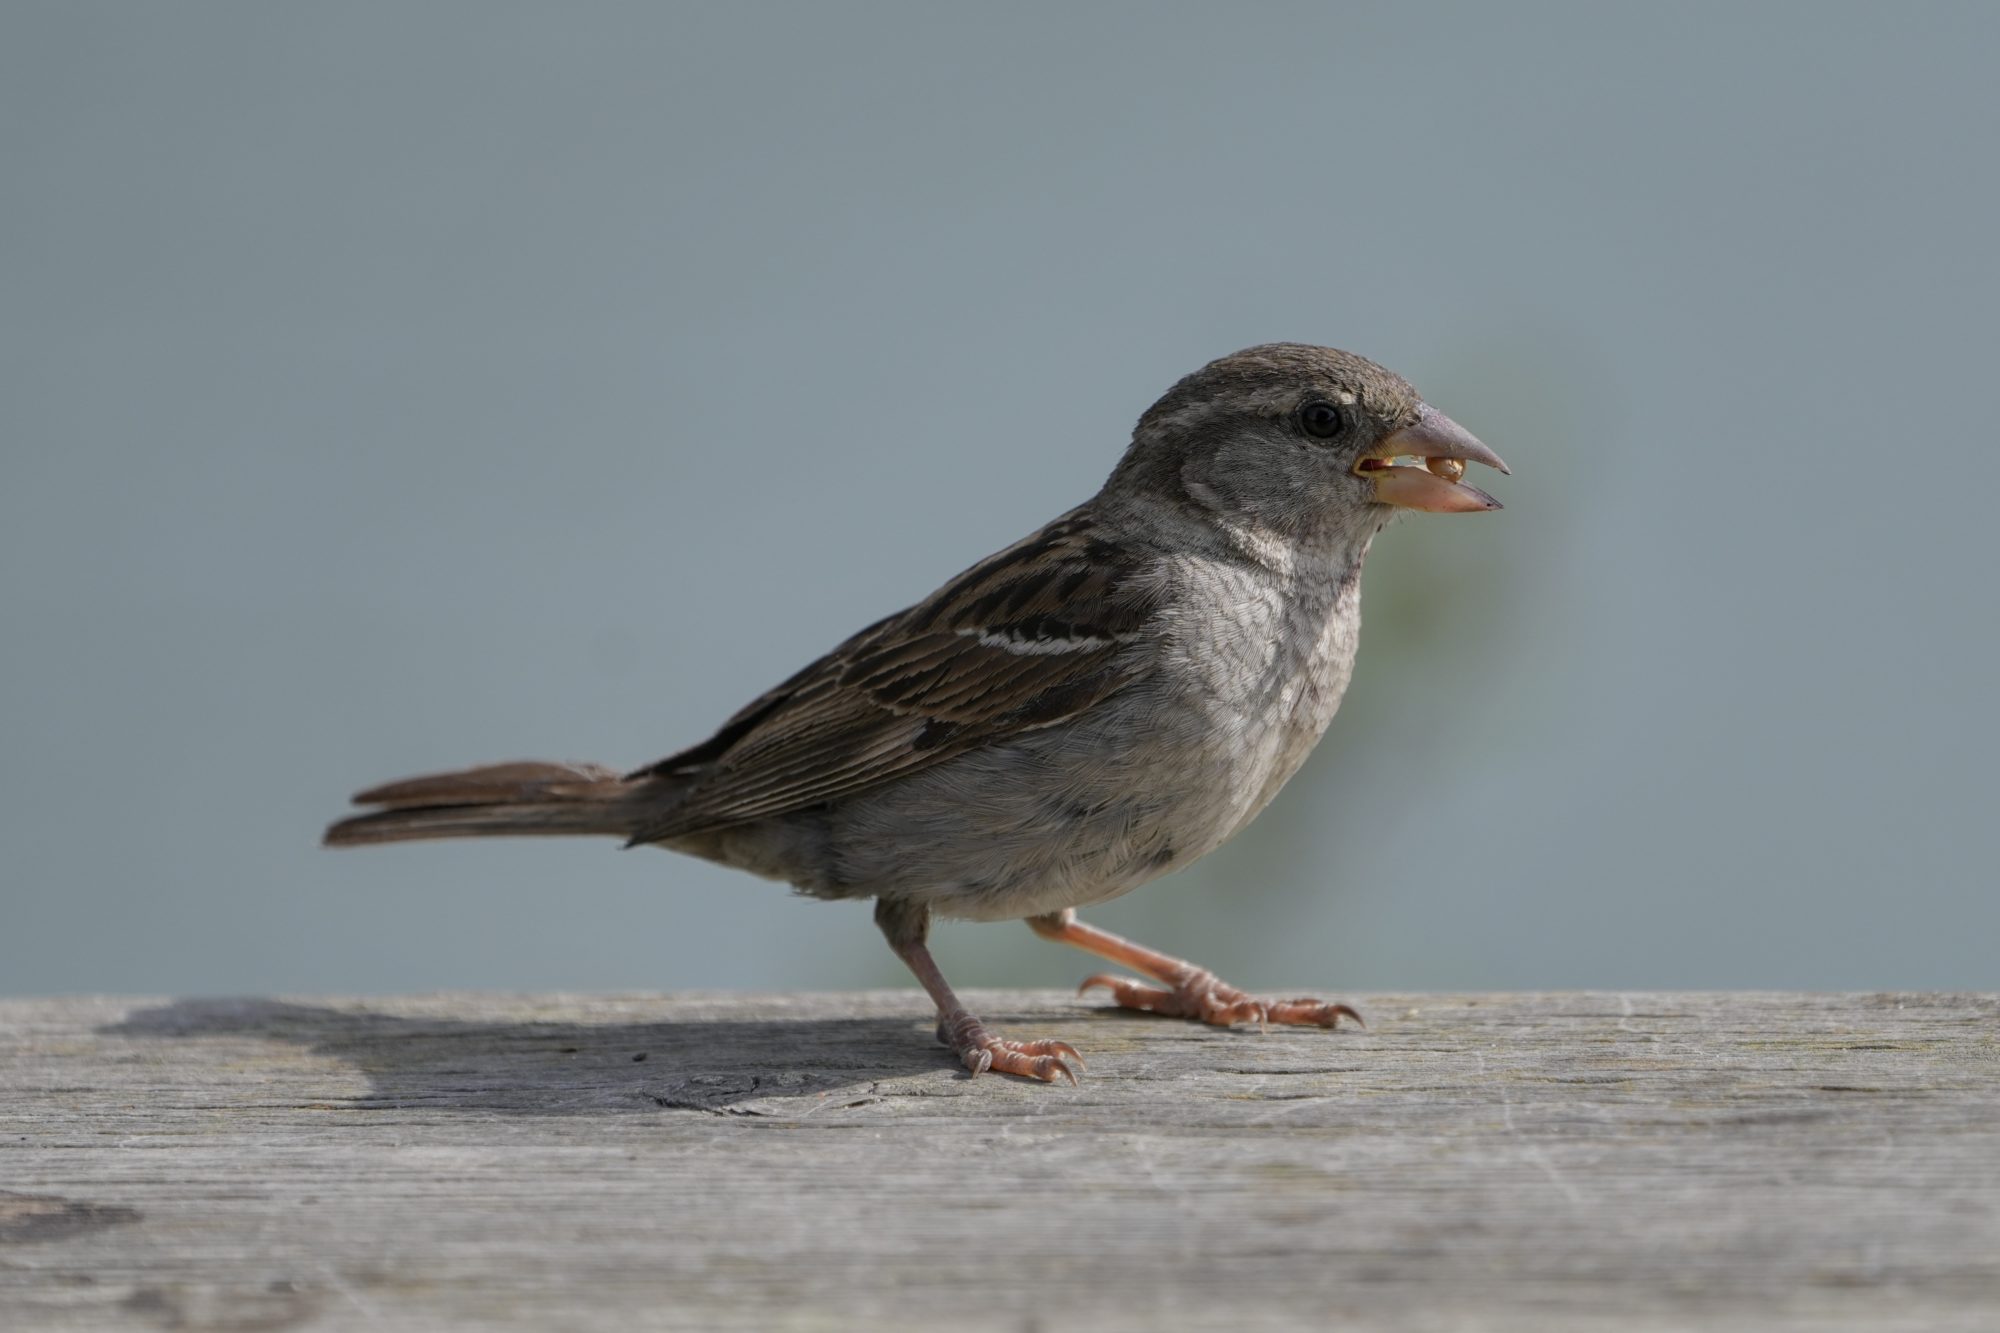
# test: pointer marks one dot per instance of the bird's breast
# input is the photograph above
(1265, 665)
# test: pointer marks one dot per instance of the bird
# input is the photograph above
(1105, 701)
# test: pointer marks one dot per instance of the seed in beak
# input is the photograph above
(1451, 469)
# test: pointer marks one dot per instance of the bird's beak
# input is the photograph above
(1419, 466)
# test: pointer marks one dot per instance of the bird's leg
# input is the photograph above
(907, 927)
(1186, 991)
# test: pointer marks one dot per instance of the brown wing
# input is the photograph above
(1024, 639)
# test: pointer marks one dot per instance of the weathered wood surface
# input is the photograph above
(711, 1162)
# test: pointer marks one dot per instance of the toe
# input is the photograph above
(1061, 1049)
(1137, 995)
(1316, 1013)
(1020, 1058)
(1228, 1013)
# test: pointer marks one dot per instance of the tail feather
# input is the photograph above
(499, 800)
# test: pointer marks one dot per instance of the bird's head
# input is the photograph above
(1305, 442)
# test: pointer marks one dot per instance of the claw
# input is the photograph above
(1048, 1069)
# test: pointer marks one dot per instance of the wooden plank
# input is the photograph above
(1523, 1162)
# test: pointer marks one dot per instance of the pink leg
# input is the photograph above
(907, 928)
(1187, 991)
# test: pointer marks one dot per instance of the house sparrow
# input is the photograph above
(1103, 702)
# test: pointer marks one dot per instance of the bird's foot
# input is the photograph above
(1196, 992)
(982, 1051)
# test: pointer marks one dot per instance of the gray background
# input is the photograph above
(389, 387)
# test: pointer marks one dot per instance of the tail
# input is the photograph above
(500, 800)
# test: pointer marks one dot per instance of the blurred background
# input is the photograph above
(386, 387)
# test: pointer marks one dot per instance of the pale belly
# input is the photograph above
(1151, 781)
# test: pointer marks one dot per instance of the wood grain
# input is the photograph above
(1562, 1161)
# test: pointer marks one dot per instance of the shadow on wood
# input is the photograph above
(567, 1068)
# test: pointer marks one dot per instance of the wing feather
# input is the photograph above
(1027, 638)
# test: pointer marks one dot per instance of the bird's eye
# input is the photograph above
(1321, 419)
